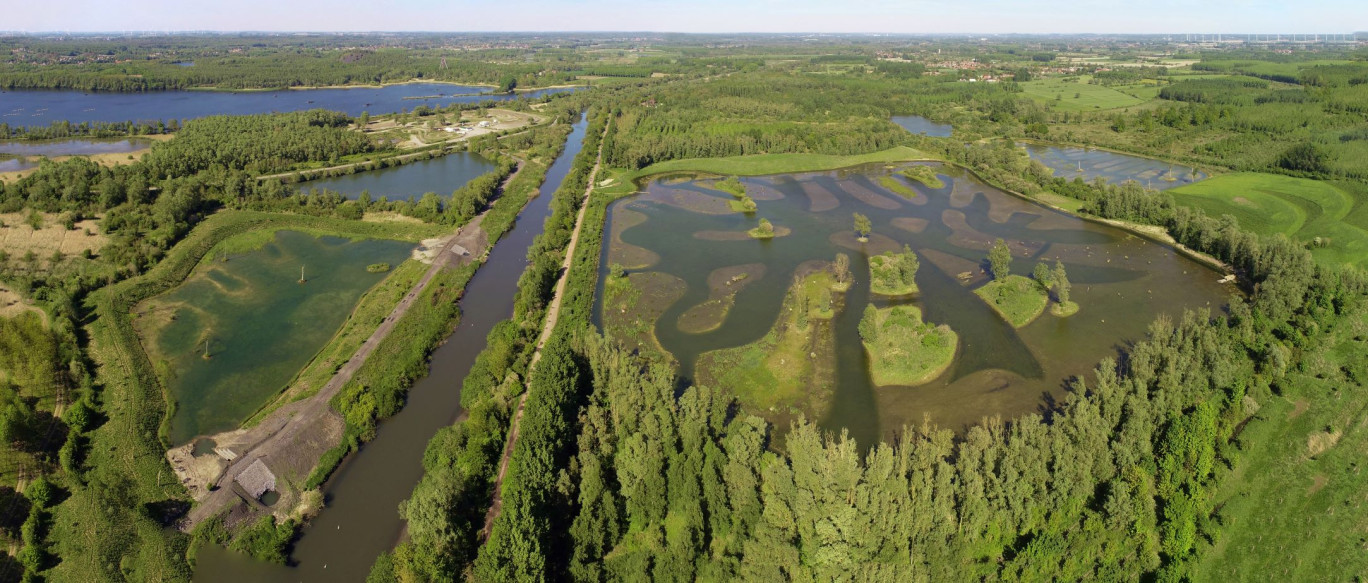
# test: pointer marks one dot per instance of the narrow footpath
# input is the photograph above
(291, 439)
(552, 315)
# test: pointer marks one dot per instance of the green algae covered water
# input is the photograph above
(257, 323)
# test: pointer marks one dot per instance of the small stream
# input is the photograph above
(361, 519)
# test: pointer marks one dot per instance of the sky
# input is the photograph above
(889, 16)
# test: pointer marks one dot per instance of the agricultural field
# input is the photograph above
(36, 238)
(1306, 210)
(1077, 94)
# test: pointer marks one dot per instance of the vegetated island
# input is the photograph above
(767, 230)
(1018, 299)
(924, 175)
(796, 359)
(894, 274)
(896, 186)
(904, 350)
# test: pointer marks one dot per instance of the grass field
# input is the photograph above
(1294, 508)
(1018, 299)
(761, 164)
(1297, 207)
(1076, 94)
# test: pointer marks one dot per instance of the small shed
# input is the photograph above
(257, 479)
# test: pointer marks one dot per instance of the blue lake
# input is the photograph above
(40, 107)
(920, 125)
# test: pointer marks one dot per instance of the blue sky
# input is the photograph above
(898, 16)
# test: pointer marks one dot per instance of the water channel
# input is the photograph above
(361, 519)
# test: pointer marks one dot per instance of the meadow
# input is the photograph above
(1077, 94)
(1300, 208)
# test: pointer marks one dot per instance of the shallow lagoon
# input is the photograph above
(1121, 281)
(262, 326)
(1068, 162)
(441, 175)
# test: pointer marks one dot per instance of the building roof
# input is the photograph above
(257, 479)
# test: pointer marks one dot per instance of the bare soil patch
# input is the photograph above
(18, 237)
(1298, 408)
(1318, 482)
(1321, 441)
(12, 304)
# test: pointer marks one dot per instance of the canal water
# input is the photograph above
(361, 519)
(42, 107)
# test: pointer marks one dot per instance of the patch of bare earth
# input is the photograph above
(1317, 483)
(1321, 441)
(18, 237)
(1298, 408)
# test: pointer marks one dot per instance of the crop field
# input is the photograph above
(18, 237)
(1297, 207)
(1076, 94)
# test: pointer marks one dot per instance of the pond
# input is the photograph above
(1088, 163)
(682, 231)
(258, 324)
(15, 164)
(42, 107)
(72, 147)
(441, 175)
(920, 125)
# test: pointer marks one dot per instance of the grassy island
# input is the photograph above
(904, 350)
(893, 274)
(897, 187)
(1019, 299)
(764, 231)
(924, 175)
(796, 356)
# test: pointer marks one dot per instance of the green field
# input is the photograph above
(1018, 299)
(761, 164)
(1297, 207)
(1060, 93)
(1293, 510)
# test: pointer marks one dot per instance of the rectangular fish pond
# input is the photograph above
(789, 329)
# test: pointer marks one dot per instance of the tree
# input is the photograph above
(1042, 275)
(863, 227)
(766, 228)
(1061, 283)
(1000, 260)
(842, 268)
(364, 119)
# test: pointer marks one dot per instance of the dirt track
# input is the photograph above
(552, 315)
(293, 438)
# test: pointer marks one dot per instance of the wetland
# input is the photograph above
(243, 324)
(776, 321)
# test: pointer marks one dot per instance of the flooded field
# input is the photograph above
(237, 330)
(680, 249)
(441, 175)
(1068, 162)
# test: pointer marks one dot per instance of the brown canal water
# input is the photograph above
(1121, 281)
(361, 519)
